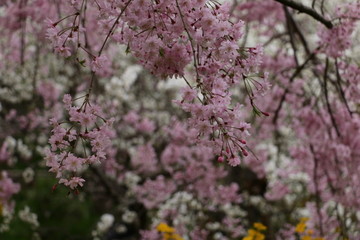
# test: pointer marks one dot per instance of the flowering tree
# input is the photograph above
(179, 119)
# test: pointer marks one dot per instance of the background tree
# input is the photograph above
(179, 119)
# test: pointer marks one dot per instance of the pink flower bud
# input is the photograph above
(244, 152)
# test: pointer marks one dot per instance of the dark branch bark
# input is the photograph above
(291, 34)
(299, 33)
(317, 192)
(294, 75)
(327, 98)
(341, 91)
(108, 188)
(301, 8)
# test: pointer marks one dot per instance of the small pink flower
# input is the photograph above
(234, 161)
(67, 100)
(4, 154)
(145, 126)
(73, 182)
(131, 117)
(188, 94)
(63, 51)
(73, 163)
(7, 189)
(98, 63)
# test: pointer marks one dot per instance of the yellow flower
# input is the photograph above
(163, 227)
(172, 236)
(254, 235)
(300, 228)
(310, 232)
(259, 236)
(306, 237)
(251, 235)
(260, 226)
(167, 236)
(176, 237)
(168, 232)
(252, 232)
(304, 219)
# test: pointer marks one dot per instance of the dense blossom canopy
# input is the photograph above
(180, 119)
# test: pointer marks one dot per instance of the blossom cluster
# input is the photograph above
(7, 189)
(197, 34)
(82, 133)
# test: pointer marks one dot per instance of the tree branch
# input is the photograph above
(108, 188)
(302, 8)
(293, 76)
(327, 98)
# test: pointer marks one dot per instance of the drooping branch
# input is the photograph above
(302, 8)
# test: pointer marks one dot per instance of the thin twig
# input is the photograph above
(103, 45)
(290, 29)
(327, 98)
(300, 34)
(317, 192)
(113, 27)
(36, 68)
(297, 72)
(191, 41)
(341, 91)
